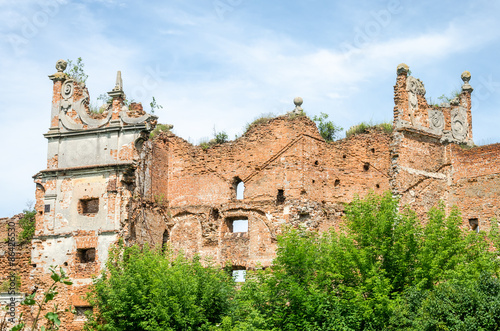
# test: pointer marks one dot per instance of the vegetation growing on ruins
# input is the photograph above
(38, 304)
(219, 137)
(27, 224)
(158, 129)
(75, 70)
(327, 129)
(382, 270)
(364, 127)
(262, 119)
(150, 290)
(154, 106)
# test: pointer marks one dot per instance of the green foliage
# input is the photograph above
(75, 70)
(38, 305)
(27, 224)
(159, 128)
(145, 289)
(262, 119)
(383, 270)
(327, 129)
(154, 106)
(220, 137)
(364, 127)
(445, 98)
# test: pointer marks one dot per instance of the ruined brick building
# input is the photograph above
(107, 179)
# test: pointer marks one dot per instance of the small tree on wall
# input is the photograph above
(327, 129)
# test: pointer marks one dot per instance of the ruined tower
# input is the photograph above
(82, 197)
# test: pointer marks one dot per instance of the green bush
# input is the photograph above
(145, 289)
(27, 224)
(327, 129)
(75, 70)
(220, 137)
(381, 270)
(364, 127)
(368, 275)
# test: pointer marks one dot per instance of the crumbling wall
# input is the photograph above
(14, 266)
(476, 183)
(291, 177)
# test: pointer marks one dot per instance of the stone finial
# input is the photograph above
(61, 65)
(298, 102)
(466, 78)
(118, 89)
(403, 68)
(59, 75)
(119, 82)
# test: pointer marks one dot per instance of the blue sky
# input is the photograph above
(221, 63)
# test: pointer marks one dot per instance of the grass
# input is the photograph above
(159, 128)
(262, 119)
(364, 127)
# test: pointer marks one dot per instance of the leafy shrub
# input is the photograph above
(27, 224)
(145, 289)
(383, 270)
(220, 137)
(364, 127)
(327, 129)
(75, 70)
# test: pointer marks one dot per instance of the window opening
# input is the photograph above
(164, 241)
(81, 312)
(280, 198)
(238, 224)
(240, 191)
(239, 274)
(86, 255)
(474, 224)
(88, 207)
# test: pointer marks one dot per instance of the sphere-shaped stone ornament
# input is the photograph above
(61, 65)
(298, 101)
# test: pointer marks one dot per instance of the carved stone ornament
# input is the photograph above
(436, 120)
(414, 87)
(459, 126)
(67, 89)
(61, 65)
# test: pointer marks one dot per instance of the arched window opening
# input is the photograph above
(240, 191)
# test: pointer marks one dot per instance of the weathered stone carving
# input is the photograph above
(414, 87)
(459, 123)
(436, 120)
